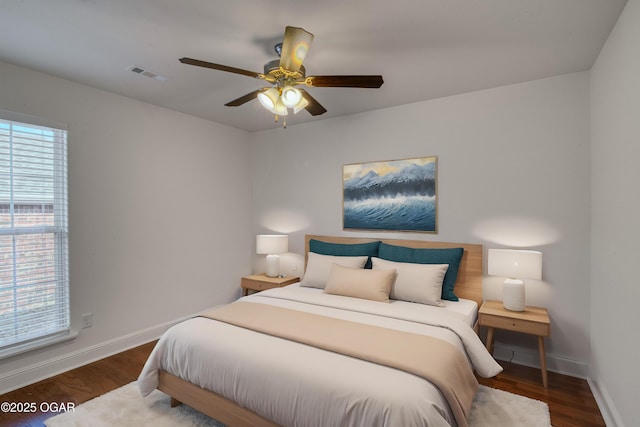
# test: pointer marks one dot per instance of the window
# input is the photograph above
(34, 284)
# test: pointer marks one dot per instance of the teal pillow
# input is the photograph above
(451, 256)
(339, 249)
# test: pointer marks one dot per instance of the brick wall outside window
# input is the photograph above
(35, 254)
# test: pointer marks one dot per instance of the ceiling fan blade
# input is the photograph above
(243, 99)
(205, 64)
(373, 82)
(314, 108)
(295, 45)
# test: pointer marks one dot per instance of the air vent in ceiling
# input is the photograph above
(150, 74)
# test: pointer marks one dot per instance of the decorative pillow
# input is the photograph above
(373, 285)
(415, 282)
(319, 268)
(340, 249)
(451, 256)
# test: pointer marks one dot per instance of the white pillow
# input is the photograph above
(420, 283)
(360, 283)
(319, 267)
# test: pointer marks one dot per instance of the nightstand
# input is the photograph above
(532, 321)
(261, 282)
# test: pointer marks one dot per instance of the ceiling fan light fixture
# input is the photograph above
(280, 109)
(269, 98)
(301, 105)
(291, 96)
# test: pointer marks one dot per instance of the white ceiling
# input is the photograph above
(424, 49)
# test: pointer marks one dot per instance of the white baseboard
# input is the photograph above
(531, 357)
(39, 371)
(605, 403)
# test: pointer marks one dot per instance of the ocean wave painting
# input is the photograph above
(397, 195)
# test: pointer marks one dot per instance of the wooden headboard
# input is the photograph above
(469, 282)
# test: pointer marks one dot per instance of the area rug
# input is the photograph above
(125, 407)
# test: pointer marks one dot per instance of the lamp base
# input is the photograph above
(273, 265)
(513, 297)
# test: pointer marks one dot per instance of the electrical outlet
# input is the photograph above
(294, 267)
(87, 320)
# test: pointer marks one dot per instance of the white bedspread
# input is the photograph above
(297, 385)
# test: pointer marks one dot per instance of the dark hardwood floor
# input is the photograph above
(77, 385)
(570, 400)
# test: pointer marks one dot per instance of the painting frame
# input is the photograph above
(391, 195)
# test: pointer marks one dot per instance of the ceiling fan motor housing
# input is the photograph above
(272, 69)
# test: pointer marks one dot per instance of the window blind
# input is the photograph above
(34, 284)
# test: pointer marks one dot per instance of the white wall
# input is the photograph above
(158, 210)
(513, 171)
(615, 180)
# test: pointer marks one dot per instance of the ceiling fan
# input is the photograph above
(285, 74)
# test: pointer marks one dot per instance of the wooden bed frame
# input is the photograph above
(468, 286)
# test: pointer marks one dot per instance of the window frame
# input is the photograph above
(59, 230)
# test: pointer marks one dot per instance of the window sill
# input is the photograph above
(37, 344)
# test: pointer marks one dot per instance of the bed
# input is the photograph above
(285, 356)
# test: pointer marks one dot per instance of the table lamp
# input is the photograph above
(272, 245)
(516, 265)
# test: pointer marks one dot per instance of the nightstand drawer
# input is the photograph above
(516, 325)
(261, 282)
(257, 285)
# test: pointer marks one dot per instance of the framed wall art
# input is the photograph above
(394, 195)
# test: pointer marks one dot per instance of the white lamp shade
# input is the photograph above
(300, 106)
(515, 264)
(272, 244)
(269, 98)
(280, 109)
(272, 101)
(290, 96)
